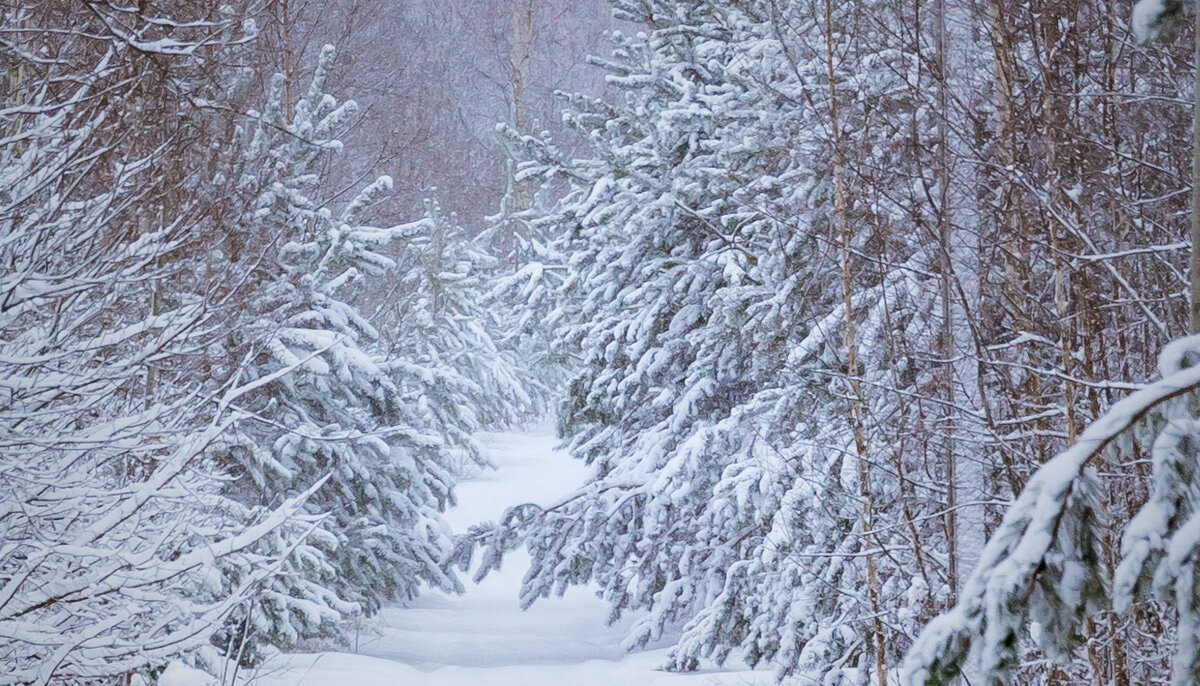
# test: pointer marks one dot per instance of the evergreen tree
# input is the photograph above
(442, 328)
(340, 413)
(837, 292)
(525, 286)
(707, 305)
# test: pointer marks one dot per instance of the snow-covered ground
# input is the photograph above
(482, 638)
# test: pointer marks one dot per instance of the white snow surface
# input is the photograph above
(483, 637)
(179, 674)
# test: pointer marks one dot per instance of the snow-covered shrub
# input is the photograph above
(112, 525)
(441, 327)
(341, 413)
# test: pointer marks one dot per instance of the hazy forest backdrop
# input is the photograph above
(873, 322)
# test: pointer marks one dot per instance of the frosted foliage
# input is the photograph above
(345, 409)
(1043, 564)
(179, 674)
(443, 334)
(523, 286)
(710, 406)
(111, 525)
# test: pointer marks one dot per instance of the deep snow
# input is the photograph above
(483, 637)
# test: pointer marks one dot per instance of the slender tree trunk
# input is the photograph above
(434, 266)
(1014, 233)
(947, 332)
(1052, 114)
(1117, 657)
(518, 197)
(860, 436)
(1194, 268)
(521, 57)
(965, 418)
(16, 73)
(289, 67)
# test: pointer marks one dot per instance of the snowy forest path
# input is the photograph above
(482, 636)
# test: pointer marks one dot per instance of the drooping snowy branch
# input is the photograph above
(1042, 563)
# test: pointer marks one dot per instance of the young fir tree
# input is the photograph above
(726, 494)
(340, 413)
(441, 329)
(525, 286)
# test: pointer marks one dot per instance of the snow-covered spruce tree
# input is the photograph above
(341, 413)
(727, 489)
(441, 330)
(112, 528)
(525, 285)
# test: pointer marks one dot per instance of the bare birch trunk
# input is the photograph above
(521, 57)
(857, 412)
(1194, 267)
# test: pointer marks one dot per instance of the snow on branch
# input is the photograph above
(1042, 564)
(1150, 17)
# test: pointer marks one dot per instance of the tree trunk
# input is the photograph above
(875, 637)
(1194, 268)
(521, 57)
(947, 332)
